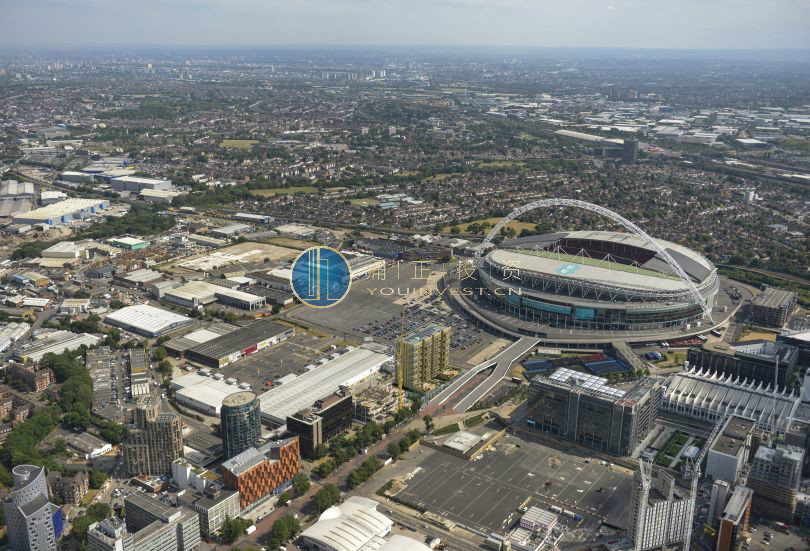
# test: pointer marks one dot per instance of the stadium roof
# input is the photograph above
(146, 318)
(322, 381)
(653, 275)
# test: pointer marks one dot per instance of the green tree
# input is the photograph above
(394, 450)
(159, 353)
(233, 528)
(326, 497)
(428, 420)
(97, 478)
(300, 484)
(284, 498)
(285, 528)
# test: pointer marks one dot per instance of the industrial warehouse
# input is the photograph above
(204, 392)
(201, 293)
(343, 370)
(147, 320)
(63, 212)
(228, 348)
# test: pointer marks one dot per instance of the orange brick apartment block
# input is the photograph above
(259, 473)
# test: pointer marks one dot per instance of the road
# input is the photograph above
(502, 362)
(297, 505)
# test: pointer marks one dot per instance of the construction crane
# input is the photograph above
(400, 371)
(692, 469)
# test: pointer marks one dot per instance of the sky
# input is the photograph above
(675, 24)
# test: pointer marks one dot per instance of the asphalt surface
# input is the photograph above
(483, 494)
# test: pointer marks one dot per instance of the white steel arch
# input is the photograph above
(607, 213)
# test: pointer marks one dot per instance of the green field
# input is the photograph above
(585, 261)
(285, 190)
(366, 202)
(238, 144)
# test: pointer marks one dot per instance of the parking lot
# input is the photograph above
(483, 494)
(108, 376)
(370, 311)
(289, 356)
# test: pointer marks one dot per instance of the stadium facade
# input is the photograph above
(596, 280)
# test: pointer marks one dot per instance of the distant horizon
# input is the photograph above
(625, 52)
(647, 24)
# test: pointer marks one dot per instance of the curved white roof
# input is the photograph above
(398, 542)
(353, 525)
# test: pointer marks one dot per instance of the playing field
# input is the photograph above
(365, 202)
(238, 144)
(597, 262)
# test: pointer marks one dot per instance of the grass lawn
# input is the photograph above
(672, 359)
(365, 202)
(406, 173)
(88, 497)
(287, 190)
(447, 429)
(517, 225)
(471, 422)
(756, 335)
(598, 263)
(238, 144)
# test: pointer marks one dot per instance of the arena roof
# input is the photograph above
(699, 393)
(526, 254)
(147, 319)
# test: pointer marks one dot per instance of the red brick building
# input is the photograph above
(34, 380)
(259, 474)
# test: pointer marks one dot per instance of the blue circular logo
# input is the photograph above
(320, 277)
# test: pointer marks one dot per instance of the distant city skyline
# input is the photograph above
(687, 24)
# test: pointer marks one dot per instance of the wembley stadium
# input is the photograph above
(594, 286)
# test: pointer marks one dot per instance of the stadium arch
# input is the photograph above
(607, 213)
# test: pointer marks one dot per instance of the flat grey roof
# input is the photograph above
(239, 340)
(773, 298)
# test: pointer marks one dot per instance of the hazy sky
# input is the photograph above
(611, 23)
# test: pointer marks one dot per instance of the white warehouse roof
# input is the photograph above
(356, 525)
(62, 208)
(147, 319)
(346, 370)
(202, 393)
